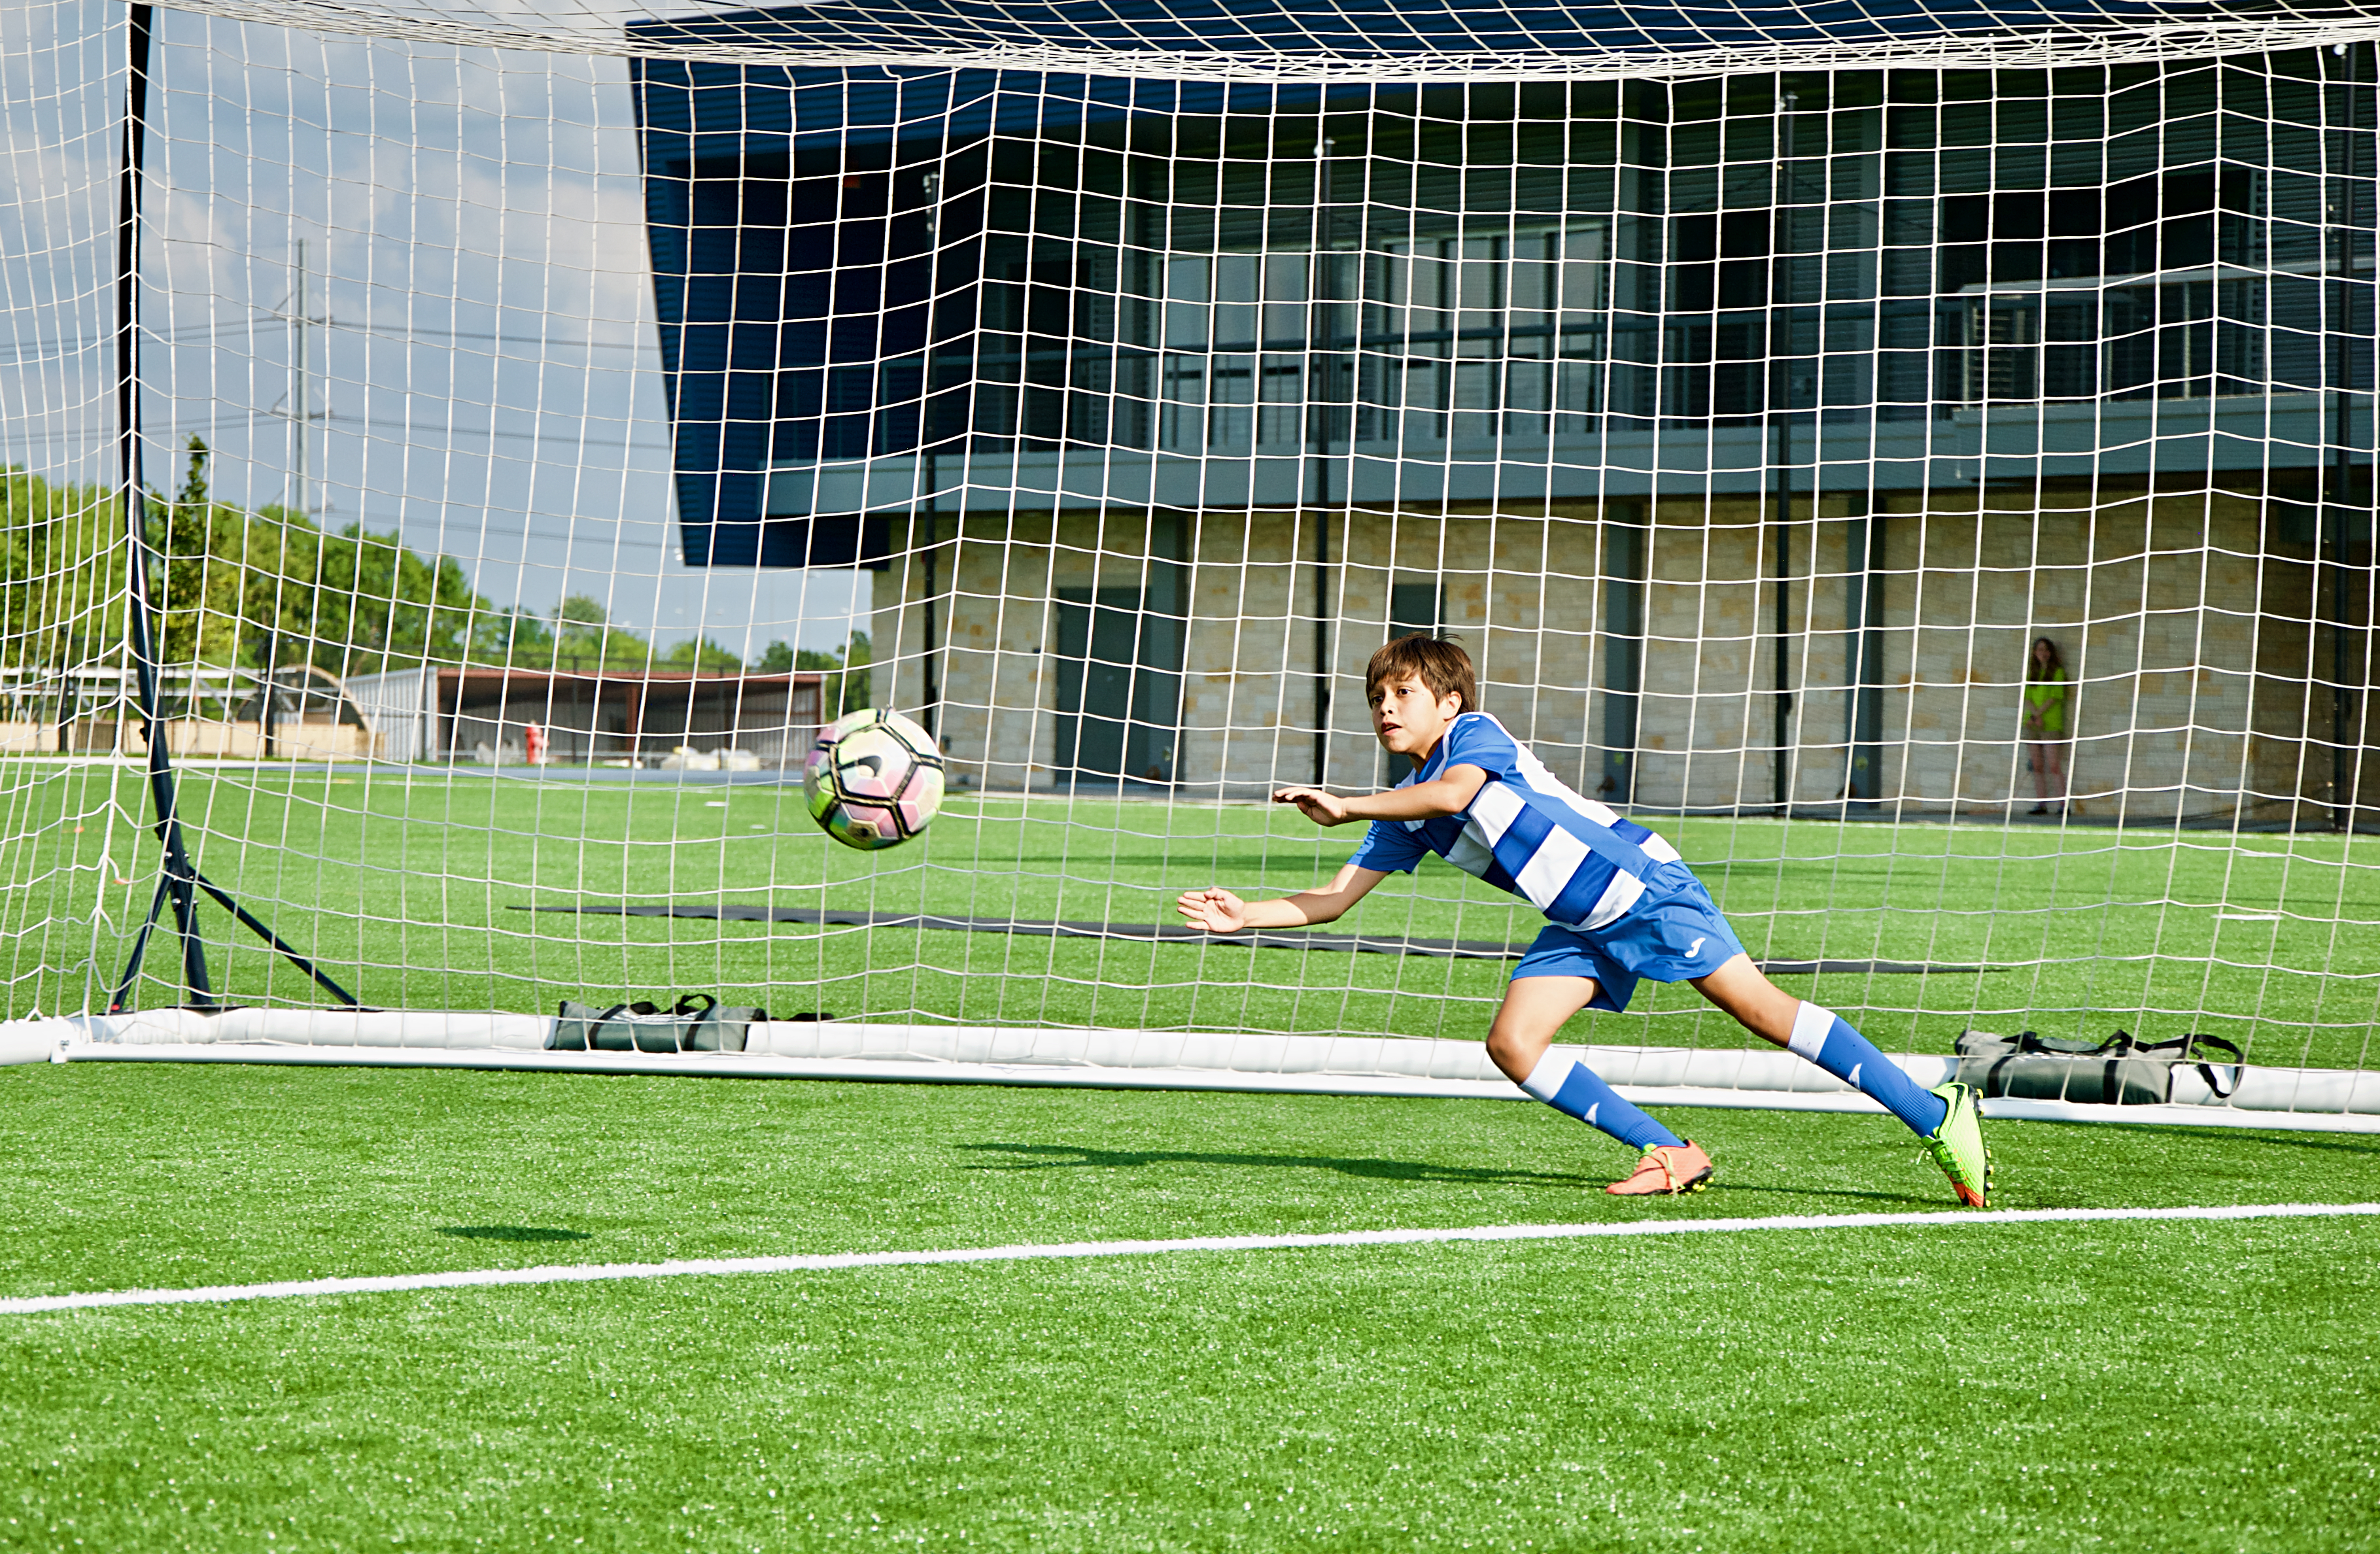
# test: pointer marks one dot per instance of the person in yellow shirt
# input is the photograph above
(2045, 727)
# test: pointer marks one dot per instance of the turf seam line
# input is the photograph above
(823, 1262)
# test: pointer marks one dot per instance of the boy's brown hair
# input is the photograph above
(1436, 662)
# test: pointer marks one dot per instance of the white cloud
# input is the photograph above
(474, 220)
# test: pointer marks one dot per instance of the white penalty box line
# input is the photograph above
(826, 1262)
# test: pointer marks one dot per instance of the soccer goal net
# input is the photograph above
(1918, 459)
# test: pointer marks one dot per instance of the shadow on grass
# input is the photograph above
(1045, 1157)
(511, 1233)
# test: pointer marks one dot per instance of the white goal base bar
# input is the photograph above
(2324, 1100)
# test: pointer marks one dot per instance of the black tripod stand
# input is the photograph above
(181, 881)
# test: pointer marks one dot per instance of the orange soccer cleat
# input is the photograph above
(1666, 1167)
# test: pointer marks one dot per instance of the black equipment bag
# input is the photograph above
(2119, 1071)
(707, 1027)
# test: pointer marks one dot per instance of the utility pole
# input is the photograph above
(302, 386)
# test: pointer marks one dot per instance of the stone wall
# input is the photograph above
(2183, 619)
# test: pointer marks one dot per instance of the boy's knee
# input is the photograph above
(1515, 1057)
(1527, 1023)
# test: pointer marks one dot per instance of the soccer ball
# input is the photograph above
(874, 779)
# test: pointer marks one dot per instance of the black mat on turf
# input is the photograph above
(1168, 933)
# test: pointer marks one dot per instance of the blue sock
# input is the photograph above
(1575, 1091)
(1827, 1039)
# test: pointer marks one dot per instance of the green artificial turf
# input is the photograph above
(2174, 1386)
(405, 883)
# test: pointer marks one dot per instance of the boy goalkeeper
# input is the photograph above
(1620, 907)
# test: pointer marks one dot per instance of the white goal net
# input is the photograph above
(1918, 459)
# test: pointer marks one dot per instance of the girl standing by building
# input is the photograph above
(2045, 727)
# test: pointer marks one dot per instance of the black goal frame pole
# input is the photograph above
(179, 882)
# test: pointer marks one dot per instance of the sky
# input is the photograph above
(485, 377)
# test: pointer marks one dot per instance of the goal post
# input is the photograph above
(548, 416)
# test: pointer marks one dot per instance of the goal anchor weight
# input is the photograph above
(180, 880)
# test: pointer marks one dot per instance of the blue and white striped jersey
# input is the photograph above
(1527, 831)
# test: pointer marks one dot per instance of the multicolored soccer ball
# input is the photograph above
(874, 779)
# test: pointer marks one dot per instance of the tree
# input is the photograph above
(200, 589)
(269, 587)
(513, 636)
(375, 603)
(701, 656)
(848, 674)
(62, 586)
(584, 638)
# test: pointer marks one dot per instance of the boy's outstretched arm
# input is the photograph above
(1450, 794)
(1217, 910)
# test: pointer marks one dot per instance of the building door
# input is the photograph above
(1119, 687)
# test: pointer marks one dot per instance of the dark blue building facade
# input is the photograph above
(888, 292)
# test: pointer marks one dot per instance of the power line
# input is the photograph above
(253, 416)
(62, 346)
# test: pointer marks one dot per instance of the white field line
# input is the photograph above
(824, 1262)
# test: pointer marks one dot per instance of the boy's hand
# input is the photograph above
(1214, 911)
(1322, 808)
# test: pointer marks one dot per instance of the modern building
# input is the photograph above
(1748, 430)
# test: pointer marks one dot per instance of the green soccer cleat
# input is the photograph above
(1958, 1146)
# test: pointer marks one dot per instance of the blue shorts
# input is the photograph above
(1672, 934)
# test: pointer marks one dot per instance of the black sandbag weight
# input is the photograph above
(706, 1026)
(2120, 1070)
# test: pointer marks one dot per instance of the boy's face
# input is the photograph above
(1410, 718)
